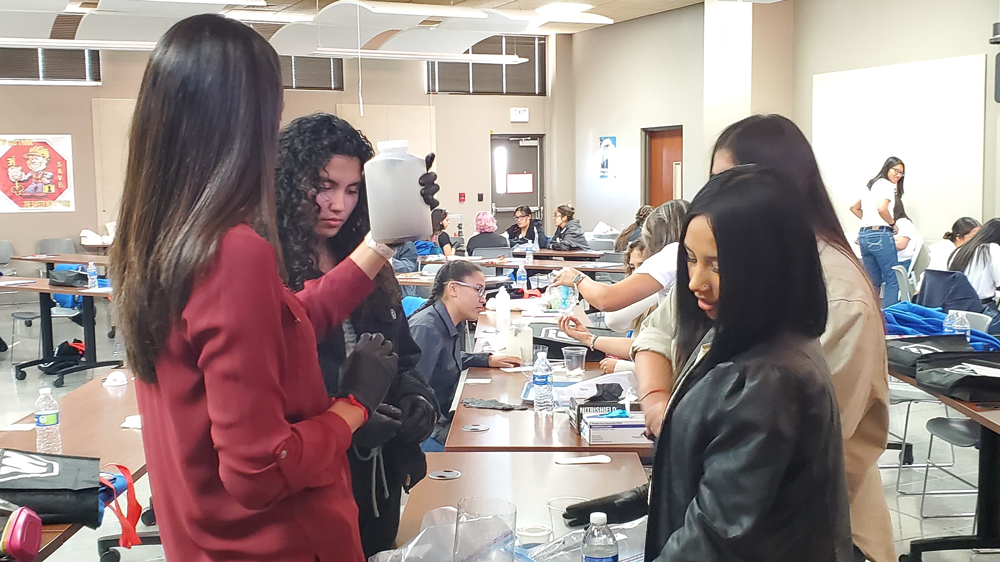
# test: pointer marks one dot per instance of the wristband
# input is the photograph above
(647, 394)
(579, 277)
(350, 399)
(380, 249)
(593, 340)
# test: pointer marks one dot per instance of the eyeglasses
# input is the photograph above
(519, 217)
(898, 173)
(480, 290)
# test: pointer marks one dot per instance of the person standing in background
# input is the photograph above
(908, 241)
(526, 229)
(632, 232)
(961, 232)
(486, 234)
(439, 222)
(569, 233)
(322, 207)
(877, 209)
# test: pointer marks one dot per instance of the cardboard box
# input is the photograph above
(614, 431)
(578, 408)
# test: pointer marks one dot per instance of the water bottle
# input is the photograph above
(529, 253)
(949, 322)
(522, 278)
(398, 213)
(503, 311)
(47, 438)
(91, 276)
(599, 544)
(962, 326)
(541, 379)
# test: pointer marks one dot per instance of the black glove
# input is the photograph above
(382, 426)
(368, 372)
(418, 418)
(620, 508)
(428, 183)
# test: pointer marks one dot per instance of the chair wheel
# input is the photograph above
(148, 517)
(58, 383)
(111, 333)
(111, 556)
(27, 323)
(20, 375)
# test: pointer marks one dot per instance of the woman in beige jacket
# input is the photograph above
(853, 343)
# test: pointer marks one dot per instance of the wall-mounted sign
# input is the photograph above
(607, 150)
(520, 183)
(519, 115)
(39, 173)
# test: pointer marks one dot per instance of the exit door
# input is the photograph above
(516, 175)
(664, 164)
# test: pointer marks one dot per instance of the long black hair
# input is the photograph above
(437, 217)
(622, 241)
(305, 147)
(775, 142)
(770, 276)
(976, 249)
(457, 270)
(883, 174)
(962, 227)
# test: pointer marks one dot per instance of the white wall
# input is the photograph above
(638, 74)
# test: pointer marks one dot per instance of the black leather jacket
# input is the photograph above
(750, 462)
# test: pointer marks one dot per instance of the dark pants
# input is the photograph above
(878, 253)
(858, 555)
(377, 533)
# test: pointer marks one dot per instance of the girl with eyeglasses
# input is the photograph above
(878, 208)
(526, 229)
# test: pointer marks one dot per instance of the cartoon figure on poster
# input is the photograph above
(39, 176)
(608, 147)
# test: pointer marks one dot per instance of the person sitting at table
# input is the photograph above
(439, 222)
(486, 237)
(438, 326)
(406, 260)
(322, 206)
(632, 232)
(961, 232)
(526, 229)
(750, 462)
(569, 233)
(246, 451)
(979, 259)
(660, 235)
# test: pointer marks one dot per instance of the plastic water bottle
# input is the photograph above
(522, 278)
(503, 311)
(962, 326)
(529, 254)
(47, 437)
(541, 379)
(91, 276)
(949, 322)
(599, 544)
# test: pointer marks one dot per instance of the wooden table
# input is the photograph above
(407, 280)
(568, 254)
(51, 260)
(528, 480)
(987, 536)
(555, 265)
(90, 426)
(519, 430)
(45, 303)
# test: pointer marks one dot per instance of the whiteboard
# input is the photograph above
(931, 114)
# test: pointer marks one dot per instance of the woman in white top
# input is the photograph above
(980, 260)
(961, 232)
(908, 242)
(876, 209)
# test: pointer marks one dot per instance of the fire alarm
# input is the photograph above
(461, 198)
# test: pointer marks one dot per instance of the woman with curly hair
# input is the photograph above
(322, 215)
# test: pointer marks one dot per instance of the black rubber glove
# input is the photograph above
(368, 372)
(428, 183)
(418, 418)
(620, 508)
(382, 426)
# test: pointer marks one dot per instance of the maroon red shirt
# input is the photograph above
(244, 460)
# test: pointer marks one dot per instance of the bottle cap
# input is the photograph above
(393, 145)
(598, 518)
(543, 355)
(44, 390)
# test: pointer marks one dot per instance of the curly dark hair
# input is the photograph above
(305, 147)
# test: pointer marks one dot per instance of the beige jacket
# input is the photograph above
(854, 348)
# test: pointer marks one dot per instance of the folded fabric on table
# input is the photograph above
(908, 319)
(491, 404)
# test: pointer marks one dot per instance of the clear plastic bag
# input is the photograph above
(631, 542)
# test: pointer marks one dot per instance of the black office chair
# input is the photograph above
(958, 433)
(106, 546)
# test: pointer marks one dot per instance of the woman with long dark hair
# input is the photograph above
(322, 215)
(526, 229)
(878, 208)
(961, 232)
(979, 259)
(245, 449)
(439, 227)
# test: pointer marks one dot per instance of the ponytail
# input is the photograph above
(451, 271)
(640, 217)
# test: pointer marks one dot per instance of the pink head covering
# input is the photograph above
(485, 222)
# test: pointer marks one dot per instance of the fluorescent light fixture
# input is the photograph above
(562, 9)
(110, 45)
(261, 3)
(411, 55)
(268, 17)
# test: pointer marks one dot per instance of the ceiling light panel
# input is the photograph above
(174, 9)
(55, 6)
(26, 24)
(99, 26)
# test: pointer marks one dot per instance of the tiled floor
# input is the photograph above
(17, 399)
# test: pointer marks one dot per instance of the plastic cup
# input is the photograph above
(485, 530)
(557, 506)
(534, 534)
(535, 349)
(576, 359)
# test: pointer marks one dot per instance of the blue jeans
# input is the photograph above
(878, 252)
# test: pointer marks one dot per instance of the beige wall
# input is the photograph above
(642, 73)
(772, 73)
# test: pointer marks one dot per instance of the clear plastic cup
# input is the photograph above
(557, 506)
(485, 530)
(576, 360)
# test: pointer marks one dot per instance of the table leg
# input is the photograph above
(45, 310)
(89, 331)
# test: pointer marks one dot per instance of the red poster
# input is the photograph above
(38, 174)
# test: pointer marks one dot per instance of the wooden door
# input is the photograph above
(666, 149)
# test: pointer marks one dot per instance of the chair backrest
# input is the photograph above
(6, 251)
(979, 321)
(432, 268)
(616, 257)
(601, 245)
(56, 246)
(411, 304)
(948, 290)
(904, 282)
(493, 252)
(917, 245)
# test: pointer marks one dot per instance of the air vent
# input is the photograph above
(65, 26)
(86, 5)
(430, 22)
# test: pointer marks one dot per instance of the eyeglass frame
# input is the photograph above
(480, 289)
(519, 217)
